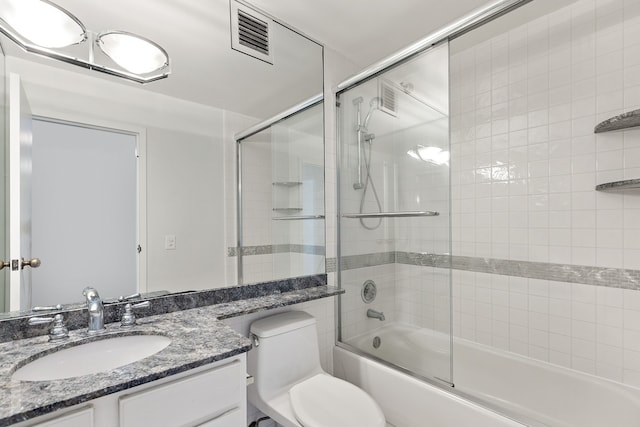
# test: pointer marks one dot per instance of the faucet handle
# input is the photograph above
(56, 307)
(129, 297)
(58, 331)
(128, 318)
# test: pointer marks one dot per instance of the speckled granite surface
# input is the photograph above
(198, 338)
(14, 326)
(267, 302)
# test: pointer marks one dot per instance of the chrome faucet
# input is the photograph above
(374, 314)
(95, 308)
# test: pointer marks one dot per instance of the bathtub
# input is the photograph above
(492, 387)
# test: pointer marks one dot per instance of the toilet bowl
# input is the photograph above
(289, 384)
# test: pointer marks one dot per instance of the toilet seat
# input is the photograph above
(325, 401)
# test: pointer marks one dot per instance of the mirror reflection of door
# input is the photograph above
(19, 220)
(84, 211)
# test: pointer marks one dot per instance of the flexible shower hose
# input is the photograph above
(369, 180)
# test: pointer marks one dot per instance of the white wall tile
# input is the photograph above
(562, 75)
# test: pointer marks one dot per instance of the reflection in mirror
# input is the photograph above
(281, 215)
(3, 133)
(84, 202)
(183, 127)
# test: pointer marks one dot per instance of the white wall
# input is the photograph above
(185, 165)
(185, 199)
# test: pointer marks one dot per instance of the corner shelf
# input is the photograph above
(622, 121)
(627, 184)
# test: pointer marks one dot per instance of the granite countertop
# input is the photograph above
(197, 338)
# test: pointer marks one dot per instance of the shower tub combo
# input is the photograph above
(395, 340)
(536, 393)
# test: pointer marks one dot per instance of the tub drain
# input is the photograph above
(376, 342)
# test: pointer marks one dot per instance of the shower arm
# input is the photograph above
(358, 103)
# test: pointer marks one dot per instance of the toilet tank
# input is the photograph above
(285, 352)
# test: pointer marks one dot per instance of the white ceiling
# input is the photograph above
(205, 70)
(366, 31)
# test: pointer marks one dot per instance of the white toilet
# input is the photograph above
(291, 387)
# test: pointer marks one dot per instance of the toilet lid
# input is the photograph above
(325, 401)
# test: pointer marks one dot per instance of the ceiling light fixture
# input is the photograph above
(46, 29)
(43, 23)
(133, 53)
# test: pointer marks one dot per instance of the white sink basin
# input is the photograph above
(92, 357)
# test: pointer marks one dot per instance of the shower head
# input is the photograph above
(374, 104)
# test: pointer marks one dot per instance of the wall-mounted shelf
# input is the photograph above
(287, 209)
(286, 183)
(627, 184)
(622, 121)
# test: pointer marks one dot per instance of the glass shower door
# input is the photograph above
(281, 217)
(394, 222)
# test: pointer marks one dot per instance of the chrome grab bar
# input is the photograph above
(392, 214)
(293, 218)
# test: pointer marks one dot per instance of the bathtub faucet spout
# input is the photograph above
(374, 314)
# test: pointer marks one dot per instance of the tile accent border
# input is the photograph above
(587, 275)
(330, 265)
(276, 249)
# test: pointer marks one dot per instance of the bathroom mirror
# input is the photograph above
(181, 136)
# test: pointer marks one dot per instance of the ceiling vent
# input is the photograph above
(388, 99)
(250, 32)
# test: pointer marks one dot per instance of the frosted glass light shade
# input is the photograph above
(133, 53)
(43, 23)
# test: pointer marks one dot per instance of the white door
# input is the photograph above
(20, 143)
(84, 211)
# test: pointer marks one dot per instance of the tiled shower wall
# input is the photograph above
(525, 162)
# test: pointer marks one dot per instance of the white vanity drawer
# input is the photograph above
(203, 396)
(233, 418)
(79, 418)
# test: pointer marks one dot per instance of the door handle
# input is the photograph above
(33, 263)
(4, 264)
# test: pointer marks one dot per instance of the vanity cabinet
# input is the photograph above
(194, 400)
(76, 418)
(210, 396)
